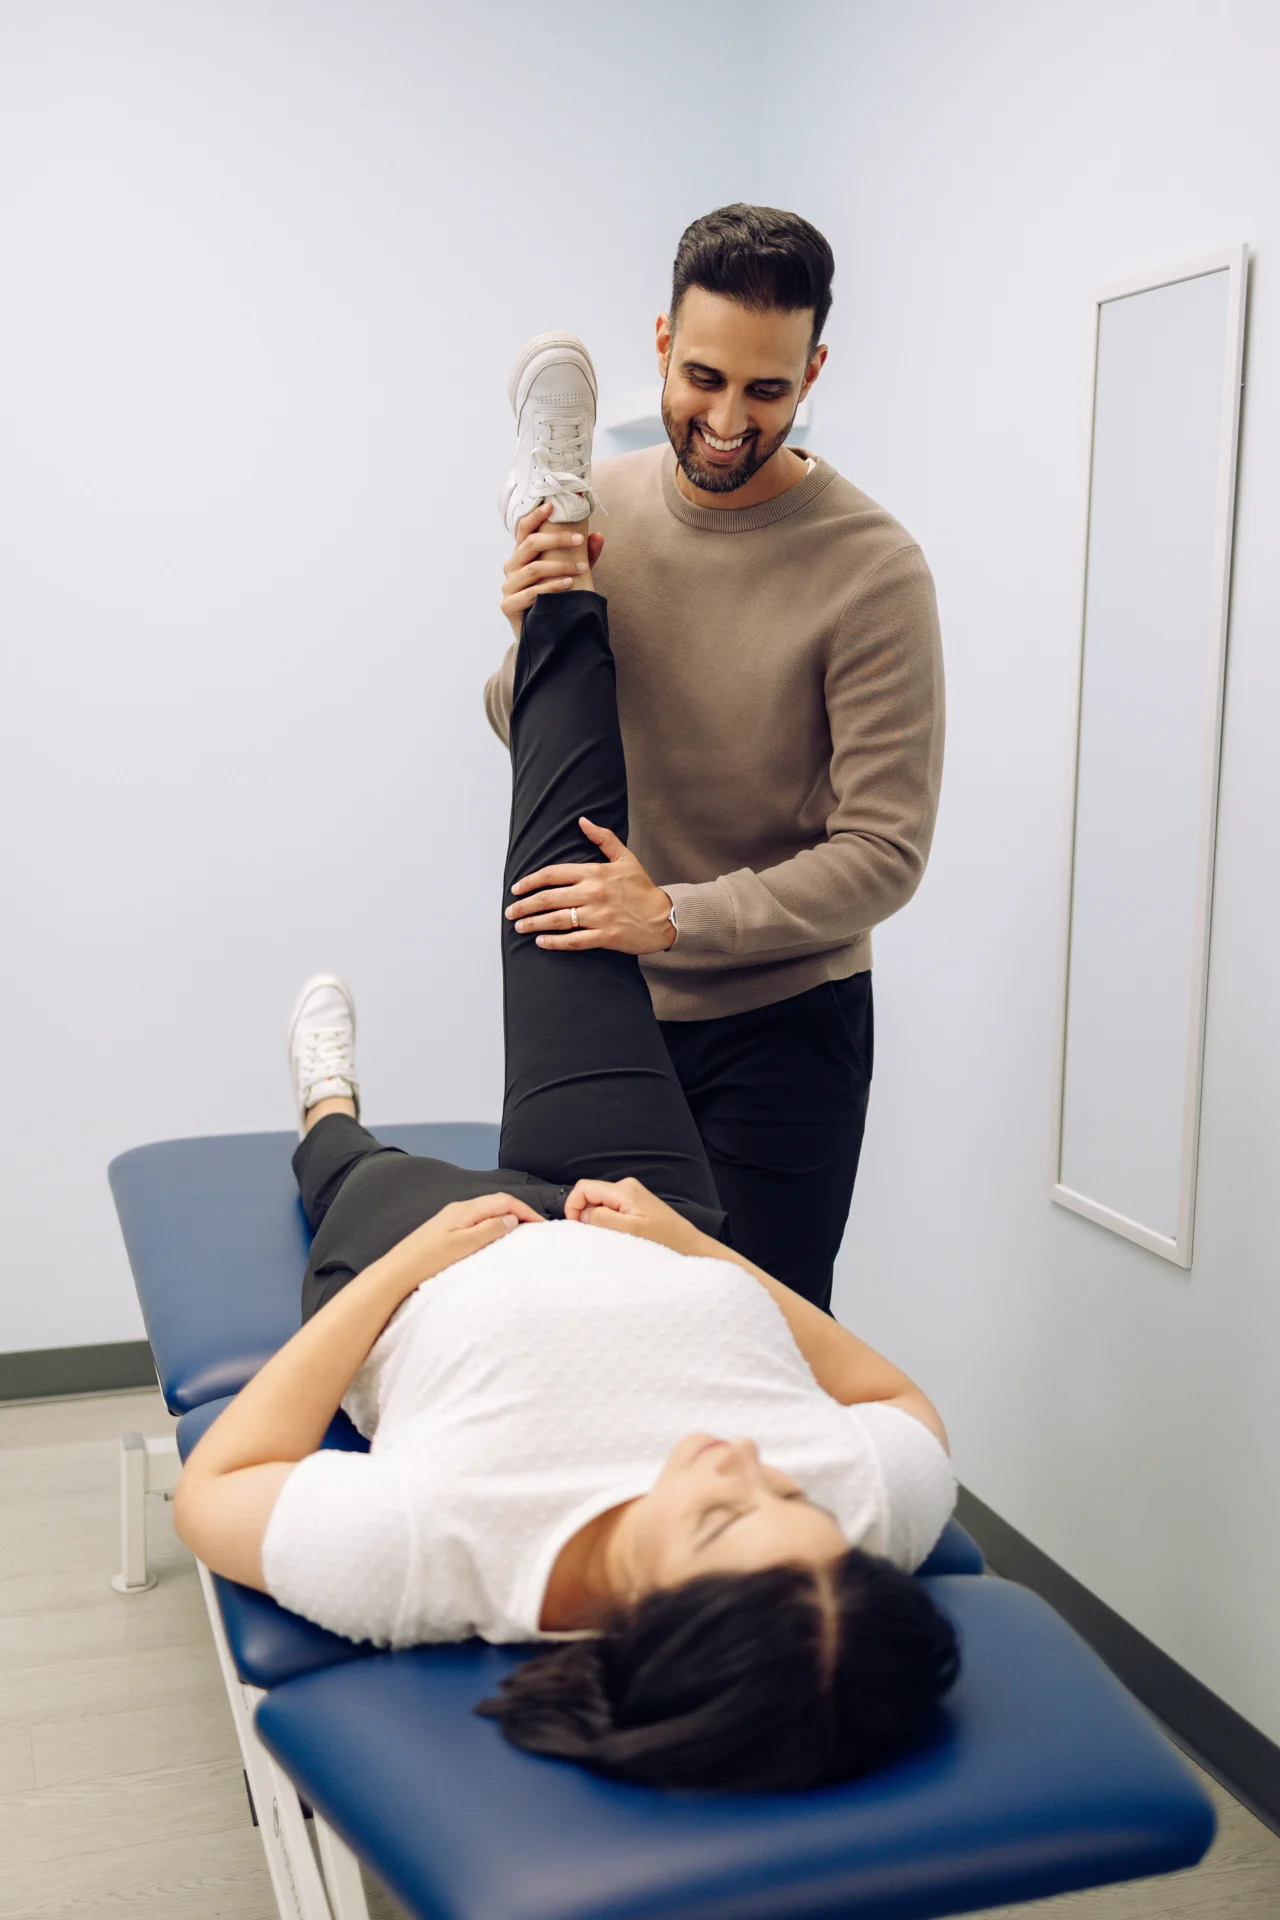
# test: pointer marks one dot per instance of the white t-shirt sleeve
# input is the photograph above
(918, 1479)
(339, 1544)
(360, 1401)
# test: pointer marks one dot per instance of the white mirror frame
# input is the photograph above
(1233, 260)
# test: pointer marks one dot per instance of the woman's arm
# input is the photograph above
(233, 1478)
(844, 1366)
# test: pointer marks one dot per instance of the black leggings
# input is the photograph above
(590, 1089)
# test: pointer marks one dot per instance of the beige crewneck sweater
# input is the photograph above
(780, 694)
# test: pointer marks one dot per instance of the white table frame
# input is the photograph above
(323, 1883)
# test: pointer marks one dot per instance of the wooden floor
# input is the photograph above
(120, 1783)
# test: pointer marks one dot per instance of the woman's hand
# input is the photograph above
(624, 1206)
(463, 1227)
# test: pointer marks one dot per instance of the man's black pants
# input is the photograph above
(779, 1096)
(594, 1087)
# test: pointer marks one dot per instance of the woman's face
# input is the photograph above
(716, 1508)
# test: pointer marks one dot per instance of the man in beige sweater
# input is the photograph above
(780, 693)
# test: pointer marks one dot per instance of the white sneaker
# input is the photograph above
(552, 391)
(322, 1044)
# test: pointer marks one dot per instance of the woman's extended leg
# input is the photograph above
(590, 1089)
(359, 1196)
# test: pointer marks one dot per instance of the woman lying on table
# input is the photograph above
(591, 1421)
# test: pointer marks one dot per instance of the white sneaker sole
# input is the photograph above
(542, 351)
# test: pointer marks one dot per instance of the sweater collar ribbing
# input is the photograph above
(747, 519)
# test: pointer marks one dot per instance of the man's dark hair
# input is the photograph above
(759, 256)
(767, 1682)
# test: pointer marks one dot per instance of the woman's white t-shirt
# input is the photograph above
(541, 1382)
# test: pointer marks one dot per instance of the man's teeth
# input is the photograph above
(721, 446)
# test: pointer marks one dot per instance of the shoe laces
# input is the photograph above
(324, 1054)
(561, 453)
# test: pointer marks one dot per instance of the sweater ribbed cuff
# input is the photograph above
(704, 917)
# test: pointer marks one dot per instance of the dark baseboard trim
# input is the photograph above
(1218, 1738)
(48, 1373)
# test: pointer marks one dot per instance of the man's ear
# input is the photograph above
(663, 342)
(814, 368)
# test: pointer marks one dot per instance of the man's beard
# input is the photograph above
(702, 474)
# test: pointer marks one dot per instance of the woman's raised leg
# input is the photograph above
(590, 1089)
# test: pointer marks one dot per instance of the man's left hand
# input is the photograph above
(571, 908)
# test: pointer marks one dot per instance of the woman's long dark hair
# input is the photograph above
(790, 1677)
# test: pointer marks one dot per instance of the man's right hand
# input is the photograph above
(546, 559)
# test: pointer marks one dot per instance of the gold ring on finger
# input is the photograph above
(573, 918)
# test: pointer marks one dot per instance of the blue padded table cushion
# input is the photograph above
(218, 1245)
(955, 1552)
(269, 1644)
(1046, 1776)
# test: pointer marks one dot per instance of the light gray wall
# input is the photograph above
(266, 269)
(980, 169)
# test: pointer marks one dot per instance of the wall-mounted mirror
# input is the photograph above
(1166, 406)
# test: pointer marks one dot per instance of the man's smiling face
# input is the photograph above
(733, 378)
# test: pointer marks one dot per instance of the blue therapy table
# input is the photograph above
(1045, 1775)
